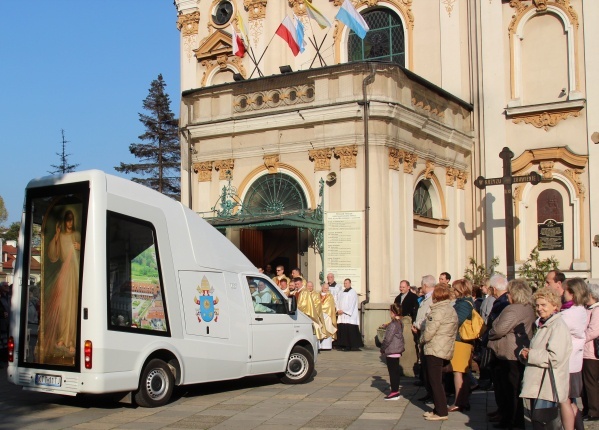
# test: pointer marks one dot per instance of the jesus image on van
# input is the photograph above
(58, 333)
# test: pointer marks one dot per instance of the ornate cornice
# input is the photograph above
(347, 155)
(279, 97)
(545, 119)
(409, 162)
(395, 157)
(225, 168)
(451, 174)
(321, 158)
(204, 170)
(188, 24)
(271, 163)
(429, 169)
(256, 8)
(430, 108)
(561, 154)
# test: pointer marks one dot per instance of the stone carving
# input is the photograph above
(225, 168)
(274, 98)
(255, 8)
(188, 25)
(462, 179)
(429, 170)
(271, 162)
(574, 176)
(546, 168)
(204, 170)
(347, 155)
(540, 6)
(409, 162)
(448, 6)
(298, 6)
(395, 157)
(321, 158)
(451, 175)
(545, 120)
(428, 107)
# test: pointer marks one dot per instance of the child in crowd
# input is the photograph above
(392, 347)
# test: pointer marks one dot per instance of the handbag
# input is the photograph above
(487, 358)
(545, 417)
(472, 329)
(596, 345)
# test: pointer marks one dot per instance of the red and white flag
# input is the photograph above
(238, 46)
(288, 33)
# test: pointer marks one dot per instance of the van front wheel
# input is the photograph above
(155, 385)
(299, 366)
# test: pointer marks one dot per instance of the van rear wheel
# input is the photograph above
(299, 366)
(155, 385)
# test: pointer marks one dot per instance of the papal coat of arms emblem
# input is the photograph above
(206, 301)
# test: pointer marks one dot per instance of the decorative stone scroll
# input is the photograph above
(271, 162)
(429, 170)
(395, 157)
(451, 175)
(545, 120)
(574, 176)
(321, 158)
(409, 162)
(204, 170)
(347, 155)
(462, 179)
(225, 168)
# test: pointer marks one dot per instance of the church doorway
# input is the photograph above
(275, 246)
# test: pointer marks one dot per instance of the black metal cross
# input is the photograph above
(507, 180)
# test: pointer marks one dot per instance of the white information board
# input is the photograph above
(343, 244)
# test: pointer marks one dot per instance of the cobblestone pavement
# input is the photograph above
(346, 393)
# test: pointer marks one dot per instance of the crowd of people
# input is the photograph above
(537, 348)
(333, 310)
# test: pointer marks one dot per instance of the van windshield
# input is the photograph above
(53, 246)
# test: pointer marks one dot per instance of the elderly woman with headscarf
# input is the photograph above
(511, 332)
(550, 346)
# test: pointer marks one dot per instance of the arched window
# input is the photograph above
(423, 204)
(274, 194)
(384, 41)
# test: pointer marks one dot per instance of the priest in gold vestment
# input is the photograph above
(307, 303)
(329, 312)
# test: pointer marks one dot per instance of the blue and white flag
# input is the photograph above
(299, 31)
(352, 18)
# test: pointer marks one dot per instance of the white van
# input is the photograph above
(138, 294)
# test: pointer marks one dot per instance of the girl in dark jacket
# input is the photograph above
(392, 347)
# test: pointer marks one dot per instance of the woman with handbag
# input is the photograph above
(574, 315)
(462, 354)
(590, 358)
(547, 375)
(510, 333)
(438, 339)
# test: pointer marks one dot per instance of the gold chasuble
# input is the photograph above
(330, 313)
(311, 307)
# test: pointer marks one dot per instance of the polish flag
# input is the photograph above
(238, 46)
(288, 33)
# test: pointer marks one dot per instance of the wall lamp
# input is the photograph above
(237, 77)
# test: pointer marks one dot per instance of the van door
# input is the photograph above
(272, 327)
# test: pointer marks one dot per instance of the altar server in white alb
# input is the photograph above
(348, 319)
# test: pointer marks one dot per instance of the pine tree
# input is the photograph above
(160, 155)
(64, 166)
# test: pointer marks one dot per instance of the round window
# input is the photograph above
(223, 12)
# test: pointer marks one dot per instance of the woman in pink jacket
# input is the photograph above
(590, 362)
(574, 315)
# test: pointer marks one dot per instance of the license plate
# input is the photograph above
(48, 380)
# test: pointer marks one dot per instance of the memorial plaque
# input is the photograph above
(551, 236)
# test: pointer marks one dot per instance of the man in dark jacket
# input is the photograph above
(407, 300)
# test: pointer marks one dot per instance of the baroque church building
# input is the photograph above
(359, 156)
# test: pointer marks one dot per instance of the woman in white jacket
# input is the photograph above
(574, 315)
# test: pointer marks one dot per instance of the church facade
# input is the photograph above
(359, 156)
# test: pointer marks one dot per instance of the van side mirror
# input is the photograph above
(291, 305)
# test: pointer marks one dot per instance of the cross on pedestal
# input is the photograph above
(507, 180)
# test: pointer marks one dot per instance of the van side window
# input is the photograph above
(135, 292)
(265, 296)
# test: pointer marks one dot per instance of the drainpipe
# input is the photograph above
(187, 137)
(365, 103)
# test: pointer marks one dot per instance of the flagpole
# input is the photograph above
(260, 59)
(315, 44)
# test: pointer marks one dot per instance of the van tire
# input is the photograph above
(156, 385)
(300, 366)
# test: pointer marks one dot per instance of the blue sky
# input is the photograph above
(81, 66)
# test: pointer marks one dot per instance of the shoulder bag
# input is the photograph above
(546, 417)
(472, 329)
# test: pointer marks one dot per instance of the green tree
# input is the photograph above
(3, 211)
(535, 269)
(478, 274)
(12, 232)
(159, 154)
(63, 166)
